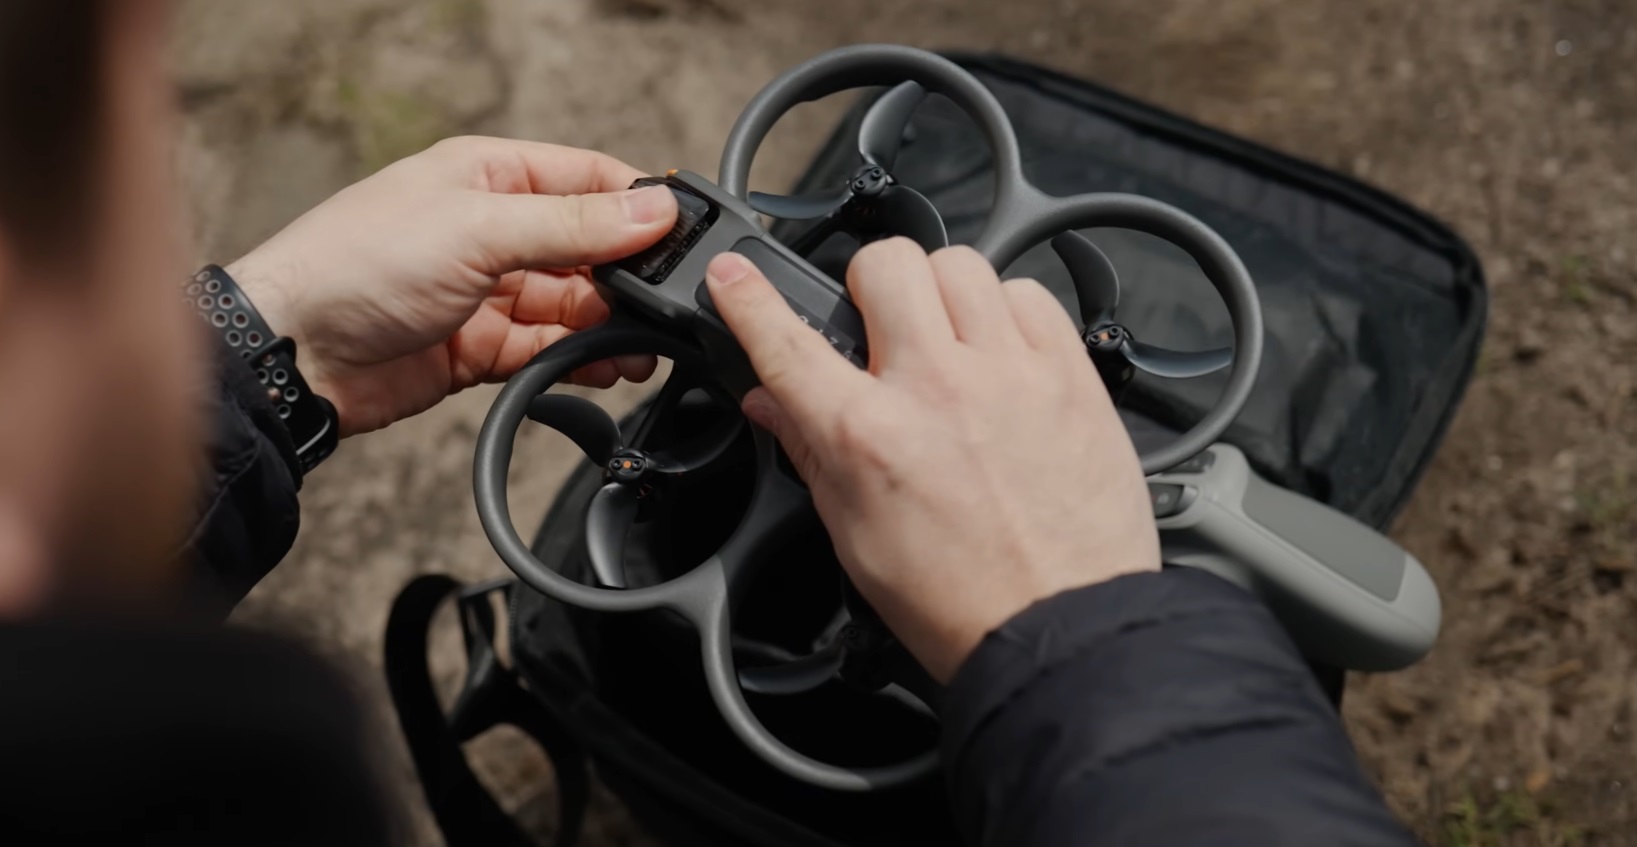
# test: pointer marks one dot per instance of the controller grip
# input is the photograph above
(1349, 596)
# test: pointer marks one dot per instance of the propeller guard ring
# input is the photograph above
(1022, 215)
(704, 595)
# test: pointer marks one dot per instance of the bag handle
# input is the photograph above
(464, 809)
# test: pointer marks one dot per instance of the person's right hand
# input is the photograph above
(977, 467)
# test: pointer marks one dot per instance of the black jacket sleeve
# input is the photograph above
(248, 514)
(1157, 709)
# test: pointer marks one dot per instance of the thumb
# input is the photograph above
(517, 231)
(764, 410)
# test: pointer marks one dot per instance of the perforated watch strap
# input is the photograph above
(310, 419)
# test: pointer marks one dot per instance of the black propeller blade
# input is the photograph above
(1096, 283)
(904, 211)
(608, 520)
(796, 676)
(801, 207)
(1173, 364)
(881, 134)
(702, 451)
(581, 420)
(1097, 287)
(696, 400)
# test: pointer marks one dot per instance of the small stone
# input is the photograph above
(1612, 565)
(1563, 670)
(1399, 707)
(1492, 581)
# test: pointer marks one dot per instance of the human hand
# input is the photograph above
(977, 467)
(451, 268)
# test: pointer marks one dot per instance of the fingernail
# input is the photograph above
(727, 269)
(649, 205)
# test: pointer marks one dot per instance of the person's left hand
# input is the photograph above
(451, 268)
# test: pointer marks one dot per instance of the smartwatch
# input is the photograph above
(310, 419)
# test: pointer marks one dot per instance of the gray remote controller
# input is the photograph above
(1348, 596)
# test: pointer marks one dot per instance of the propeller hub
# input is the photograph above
(629, 466)
(869, 181)
(1105, 338)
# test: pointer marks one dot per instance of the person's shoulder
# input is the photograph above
(103, 723)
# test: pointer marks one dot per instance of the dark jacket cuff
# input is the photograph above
(1161, 708)
(249, 514)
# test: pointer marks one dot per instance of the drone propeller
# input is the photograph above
(1097, 288)
(613, 509)
(797, 675)
(901, 210)
(801, 207)
(872, 203)
(881, 134)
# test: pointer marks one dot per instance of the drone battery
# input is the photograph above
(825, 311)
(694, 216)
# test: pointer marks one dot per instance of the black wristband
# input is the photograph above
(310, 419)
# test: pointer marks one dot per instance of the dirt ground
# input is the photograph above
(1515, 121)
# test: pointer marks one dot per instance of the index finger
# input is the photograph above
(807, 377)
(512, 166)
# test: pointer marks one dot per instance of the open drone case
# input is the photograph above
(1374, 315)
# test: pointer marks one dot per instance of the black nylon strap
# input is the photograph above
(465, 811)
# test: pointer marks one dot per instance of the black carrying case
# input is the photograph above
(1374, 316)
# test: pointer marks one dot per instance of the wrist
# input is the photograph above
(268, 284)
(305, 415)
(271, 285)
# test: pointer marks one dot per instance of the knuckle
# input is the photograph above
(773, 355)
(1040, 379)
(865, 263)
(876, 263)
(741, 304)
(901, 246)
(573, 223)
(886, 252)
(959, 256)
(457, 147)
(1027, 294)
(864, 437)
(942, 380)
(1025, 287)
(806, 461)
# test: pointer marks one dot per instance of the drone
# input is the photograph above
(1350, 597)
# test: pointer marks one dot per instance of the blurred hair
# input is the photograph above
(51, 87)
